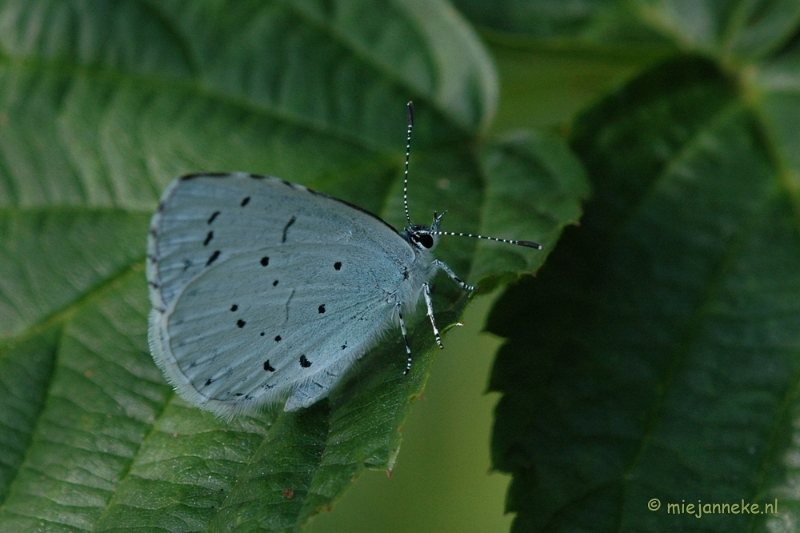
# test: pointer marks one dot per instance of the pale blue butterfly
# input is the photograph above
(265, 291)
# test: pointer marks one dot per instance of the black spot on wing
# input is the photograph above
(264, 261)
(245, 201)
(287, 226)
(234, 307)
(288, 301)
(277, 338)
(321, 309)
(304, 362)
(268, 367)
(213, 257)
(337, 265)
(213, 216)
(275, 283)
(208, 238)
(240, 323)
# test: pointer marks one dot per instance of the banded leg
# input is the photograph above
(453, 276)
(426, 291)
(405, 340)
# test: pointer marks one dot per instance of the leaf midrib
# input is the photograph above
(694, 322)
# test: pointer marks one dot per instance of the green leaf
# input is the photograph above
(726, 30)
(555, 59)
(599, 21)
(101, 106)
(655, 356)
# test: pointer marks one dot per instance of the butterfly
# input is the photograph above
(265, 291)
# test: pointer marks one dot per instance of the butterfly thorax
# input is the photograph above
(422, 269)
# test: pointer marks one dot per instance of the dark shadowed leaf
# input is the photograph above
(654, 360)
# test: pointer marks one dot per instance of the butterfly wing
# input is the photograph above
(263, 289)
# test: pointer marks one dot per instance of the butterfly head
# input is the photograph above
(421, 236)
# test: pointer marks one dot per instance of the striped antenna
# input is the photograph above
(410, 115)
(437, 218)
(528, 244)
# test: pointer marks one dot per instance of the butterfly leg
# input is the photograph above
(426, 291)
(405, 339)
(449, 272)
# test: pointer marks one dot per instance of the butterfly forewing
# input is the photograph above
(262, 288)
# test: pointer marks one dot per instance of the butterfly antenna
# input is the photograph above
(410, 115)
(528, 244)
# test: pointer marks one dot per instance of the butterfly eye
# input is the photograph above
(424, 239)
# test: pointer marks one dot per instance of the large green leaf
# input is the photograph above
(101, 105)
(653, 363)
